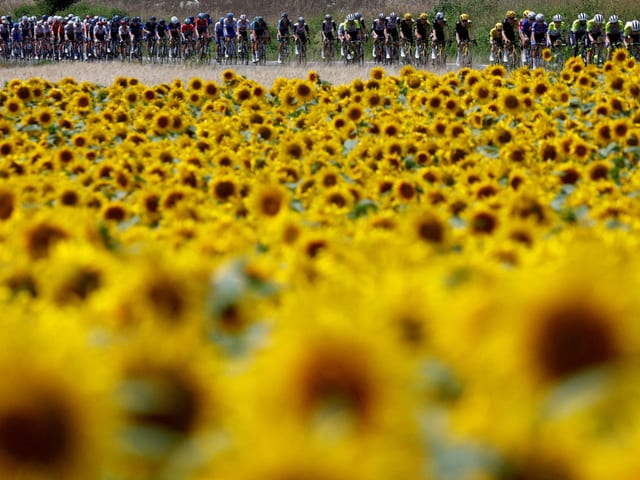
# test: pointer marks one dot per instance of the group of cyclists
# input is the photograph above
(395, 39)
(594, 39)
(99, 38)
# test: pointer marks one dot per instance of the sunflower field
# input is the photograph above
(411, 276)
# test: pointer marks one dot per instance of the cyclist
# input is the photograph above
(161, 29)
(613, 34)
(423, 27)
(631, 33)
(202, 28)
(363, 26)
(101, 34)
(218, 35)
(150, 31)
(392, 35)
(124, 37)
(135, 30)
(378, 29)
(350, 32)
(595, 31)
(539, 30)
(406, 34)
(186, 33)
(464, 34)
(244, 26)
(87, 34)
(284, 27)
(578, 32)
(524, 30)
(5, 34)
(39, 32)
(328, 31)
(558, 33)
(259, 33)
(300, 32)
(439, 34)
(509, 28)
(230, 32)
(496, 42)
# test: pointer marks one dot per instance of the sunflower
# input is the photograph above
(304, 91)
(496, 71)
(598, 170)
(547, 55)
(354, 112)
(55, 420)
(580, 149)
(548, 150)
(269, 201)
(41, 237)
(229, 77)
(571, 326)
(82, 102)
(603, 133)
(7, 147)
(509, 102)
(13, 106)
(483, 222)
(241, 93)
(620, 56)
(377, 73)
(7, 203)
(211, 90)
(430, 228)
(620, 128)
(225, 188)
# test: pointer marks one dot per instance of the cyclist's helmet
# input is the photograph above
(201, 15)
(614, 19)
(229, 15)
(300, 19)
(162, 21)
(187, 21)
(540, 17)
(351, 17)
(499, 26)
(327, 17)
(408, 16)
(284, 15)
(358, 15)
(583, 17)
(393, 15)
(439, 16)
(174, 19)
(116, 18)
(381, 16)
(464, 17)
(243, 17)
(525, 13)
(635, 26)
(598, 18)
(45, 17)
(510, 14)
(531, 15)
(152, 19)
(557, 17)
(424, 16)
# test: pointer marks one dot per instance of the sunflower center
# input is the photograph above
(574, 338)
(38, 436)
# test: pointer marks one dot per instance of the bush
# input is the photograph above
(84, 9)
(28, 11)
